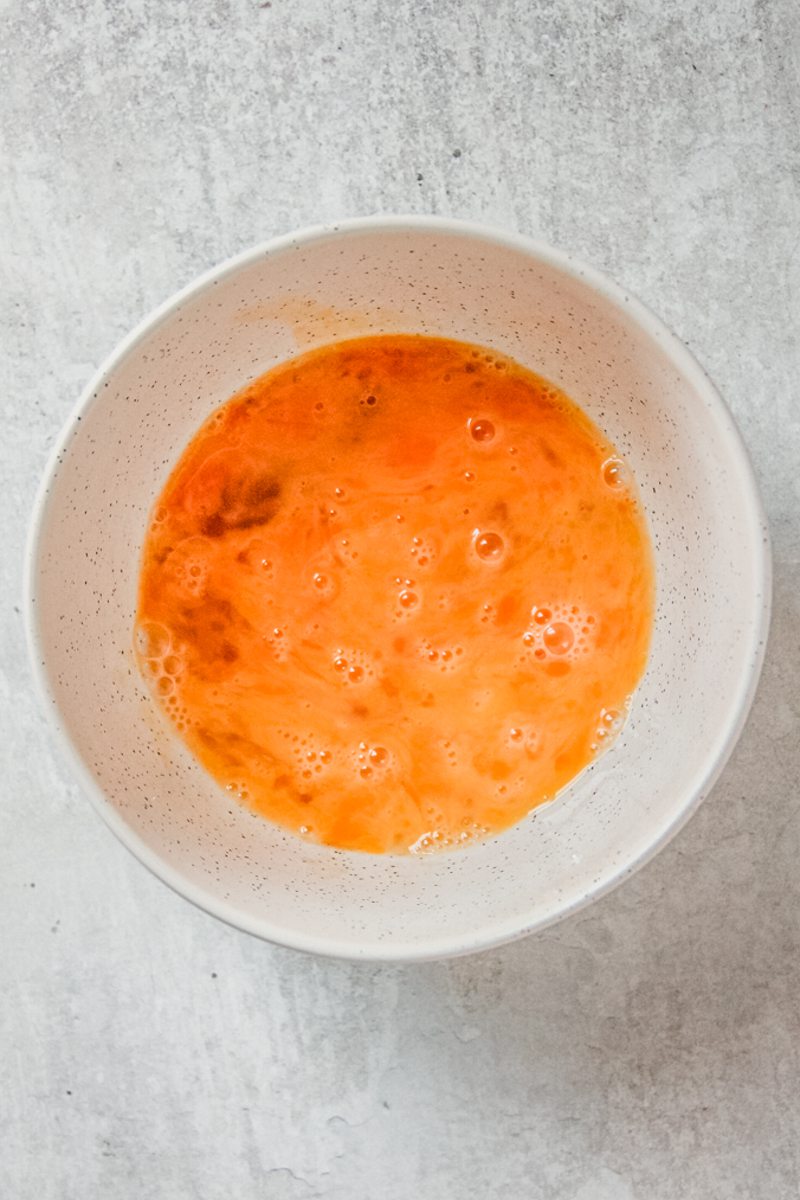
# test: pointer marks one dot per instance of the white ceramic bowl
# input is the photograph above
(559, 318)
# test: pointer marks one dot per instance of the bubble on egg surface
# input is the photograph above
(347, 551)
(523, 738)
(188, 565)
(238, 789)
(260, 557)
(615, 473)
(441, 657)
(352, 666)
(481, 430)
(451, 753)
(423, 551)
(279, 643)
(609, 726)
(372, 761)
(487, 614)
(324, 584)
(558, 632)
(407, 600)
(488, 545)
(153, 640)
(313, 758)
(433, 841)
(558, 638)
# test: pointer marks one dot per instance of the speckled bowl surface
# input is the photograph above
(384, 275)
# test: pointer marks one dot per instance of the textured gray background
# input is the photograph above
(650, 1047)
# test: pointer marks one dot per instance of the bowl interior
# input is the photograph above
(610, 357)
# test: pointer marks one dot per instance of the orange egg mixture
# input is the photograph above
(396, 593)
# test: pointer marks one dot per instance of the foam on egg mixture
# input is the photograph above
(396, 593)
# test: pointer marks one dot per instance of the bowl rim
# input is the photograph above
(490, 934)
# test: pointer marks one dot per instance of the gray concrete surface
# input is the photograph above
(647, 1049)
